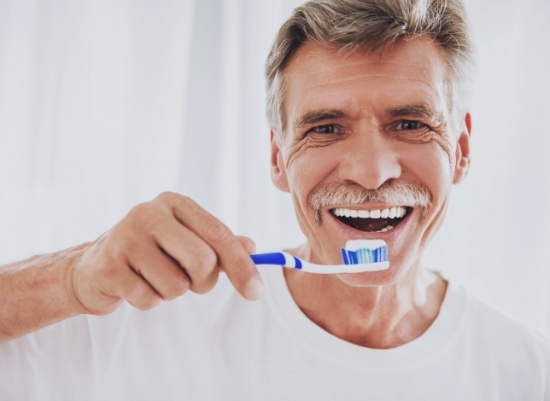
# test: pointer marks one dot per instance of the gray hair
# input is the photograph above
(350, 24)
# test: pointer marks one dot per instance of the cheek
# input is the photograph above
(431, 164)
(307, 170)
(446, 145)
(309, 166)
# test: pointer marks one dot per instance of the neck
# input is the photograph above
(380, 317)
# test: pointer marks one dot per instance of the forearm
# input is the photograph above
(36, 292)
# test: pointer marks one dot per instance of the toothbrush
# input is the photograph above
(358, 255)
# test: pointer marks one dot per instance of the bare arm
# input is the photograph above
(33, 293)
(157, 252)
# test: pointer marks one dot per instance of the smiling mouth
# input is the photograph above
(376, 220)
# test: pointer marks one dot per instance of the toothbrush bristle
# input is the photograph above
(365, 255)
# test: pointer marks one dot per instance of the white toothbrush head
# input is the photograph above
(361, 251)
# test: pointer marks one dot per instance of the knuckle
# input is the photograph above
(180, 199)
(146, 304)
(174, 199)
(143, 212)
(142, 298)
(184, 205)
(144, 217)
(207, 284)
(216, 232)
(178, 287)
(206, 260)
(165, 197)
(120, 242)
(139, 211)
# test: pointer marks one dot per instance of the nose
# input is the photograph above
(370, 159)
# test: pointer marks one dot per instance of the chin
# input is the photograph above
(371, 279)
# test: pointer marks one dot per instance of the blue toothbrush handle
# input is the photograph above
(277, 258)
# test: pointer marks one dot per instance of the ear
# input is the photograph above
(463, 151)
(278, 170)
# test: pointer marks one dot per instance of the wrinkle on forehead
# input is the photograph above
(313, 62)
(311, 53)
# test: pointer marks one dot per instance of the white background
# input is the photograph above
(106, 103)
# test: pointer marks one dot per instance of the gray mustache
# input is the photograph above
(392, 192)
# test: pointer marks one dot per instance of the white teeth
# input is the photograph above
(388, 228)
(375, 214)
(392, 213)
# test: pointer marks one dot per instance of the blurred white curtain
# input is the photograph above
(91, 100)
(106, 103)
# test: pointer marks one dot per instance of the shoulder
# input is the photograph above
(495, 350)
(499, 331)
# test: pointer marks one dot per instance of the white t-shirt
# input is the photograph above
(222, 347)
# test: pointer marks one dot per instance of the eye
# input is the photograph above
(410, 125)
(325, 129)
(412, 131)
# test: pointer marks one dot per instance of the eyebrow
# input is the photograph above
(422, 110)
(316, 116)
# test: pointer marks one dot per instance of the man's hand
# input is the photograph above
(157, 252)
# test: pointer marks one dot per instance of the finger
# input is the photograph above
(243, 274)
(232, 256)
(247, 243)
(160, 271)
(191, 253)
(125, 283)
(142, 296)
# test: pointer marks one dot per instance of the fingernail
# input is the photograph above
(254, 289)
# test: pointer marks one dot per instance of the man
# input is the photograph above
(367, 101)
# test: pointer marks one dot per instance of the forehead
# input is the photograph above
(319, 77)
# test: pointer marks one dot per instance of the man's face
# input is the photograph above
(362, 122)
